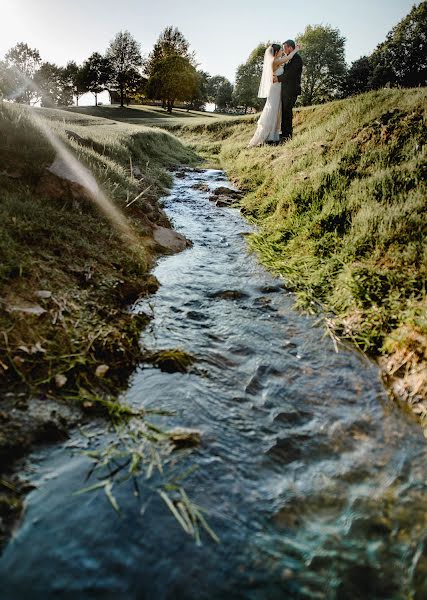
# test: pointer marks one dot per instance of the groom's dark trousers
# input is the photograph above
(288, 102)
(291, 88)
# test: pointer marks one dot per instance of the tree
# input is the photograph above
(24, 61)
(48, 81)
(95, 73)
(402, 58)
(248, 77)
(175, 79)
(213, 86)
(324, 64)
(54, 85)
(246, 88)
(224, 97)
(359, 76)
(200, 97)
(171, 42)
(124, 55)
(8, 80)
(73, 76)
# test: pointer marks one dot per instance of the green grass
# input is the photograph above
(148, 115)
(66, 247)
(341, 211)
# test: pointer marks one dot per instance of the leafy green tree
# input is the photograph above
(54, 85)
(125, 60)
(95, 74)
(324, 64)
(402, 58)
(24, 61)
(48, 81)
(73, 78)
(175, 79)
(224, 97)
(213, 86)
(200, 97)
(256, 58)
(246, 88)
(358, 77)
(171, 42)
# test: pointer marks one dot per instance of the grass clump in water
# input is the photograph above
(141, 453)
(171, 360)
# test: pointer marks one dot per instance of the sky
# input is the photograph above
(222, 36)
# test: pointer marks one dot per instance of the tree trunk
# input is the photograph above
(96, 98)
(122, 94)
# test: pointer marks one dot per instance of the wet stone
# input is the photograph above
(227, 192)
(293, 417)
(196, 316)
(229, 295)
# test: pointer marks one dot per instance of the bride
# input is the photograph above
(269, 123)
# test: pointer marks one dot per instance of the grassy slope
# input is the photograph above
(342, 210)
(64, 246)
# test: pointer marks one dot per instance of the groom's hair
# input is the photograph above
(290, 43)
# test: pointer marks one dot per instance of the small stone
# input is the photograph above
(136, 172)
(45, 294)
(225, 191)
(102, 370)
(172, 240)
(60, 380)
(223, 203)
(181, 436)
(26, 308)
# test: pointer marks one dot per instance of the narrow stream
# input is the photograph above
(313, 480)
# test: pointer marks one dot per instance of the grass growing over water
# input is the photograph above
(342, 216)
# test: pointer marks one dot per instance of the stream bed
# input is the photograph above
(313, 480)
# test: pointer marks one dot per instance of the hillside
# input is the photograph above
(341, 212)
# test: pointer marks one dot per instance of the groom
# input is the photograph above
(291, 89)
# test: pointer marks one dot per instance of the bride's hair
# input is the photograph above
(275, 48)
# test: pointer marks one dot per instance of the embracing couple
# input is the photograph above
(281, 85)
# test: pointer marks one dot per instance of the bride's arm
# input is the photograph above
(286, 59)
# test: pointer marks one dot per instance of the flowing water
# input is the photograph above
(313, 480)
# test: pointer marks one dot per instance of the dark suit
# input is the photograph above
(291, 89)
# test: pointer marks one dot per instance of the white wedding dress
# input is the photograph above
(270, 122)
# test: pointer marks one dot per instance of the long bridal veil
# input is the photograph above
(267, 74)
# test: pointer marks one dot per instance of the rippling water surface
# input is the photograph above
(313, 480)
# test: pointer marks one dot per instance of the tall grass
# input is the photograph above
(342, 216)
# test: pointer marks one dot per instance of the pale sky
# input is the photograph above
(222, 36)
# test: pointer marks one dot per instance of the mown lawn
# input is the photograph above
(149, 115)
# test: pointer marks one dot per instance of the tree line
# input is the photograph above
(169, 74)
(401, 60)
